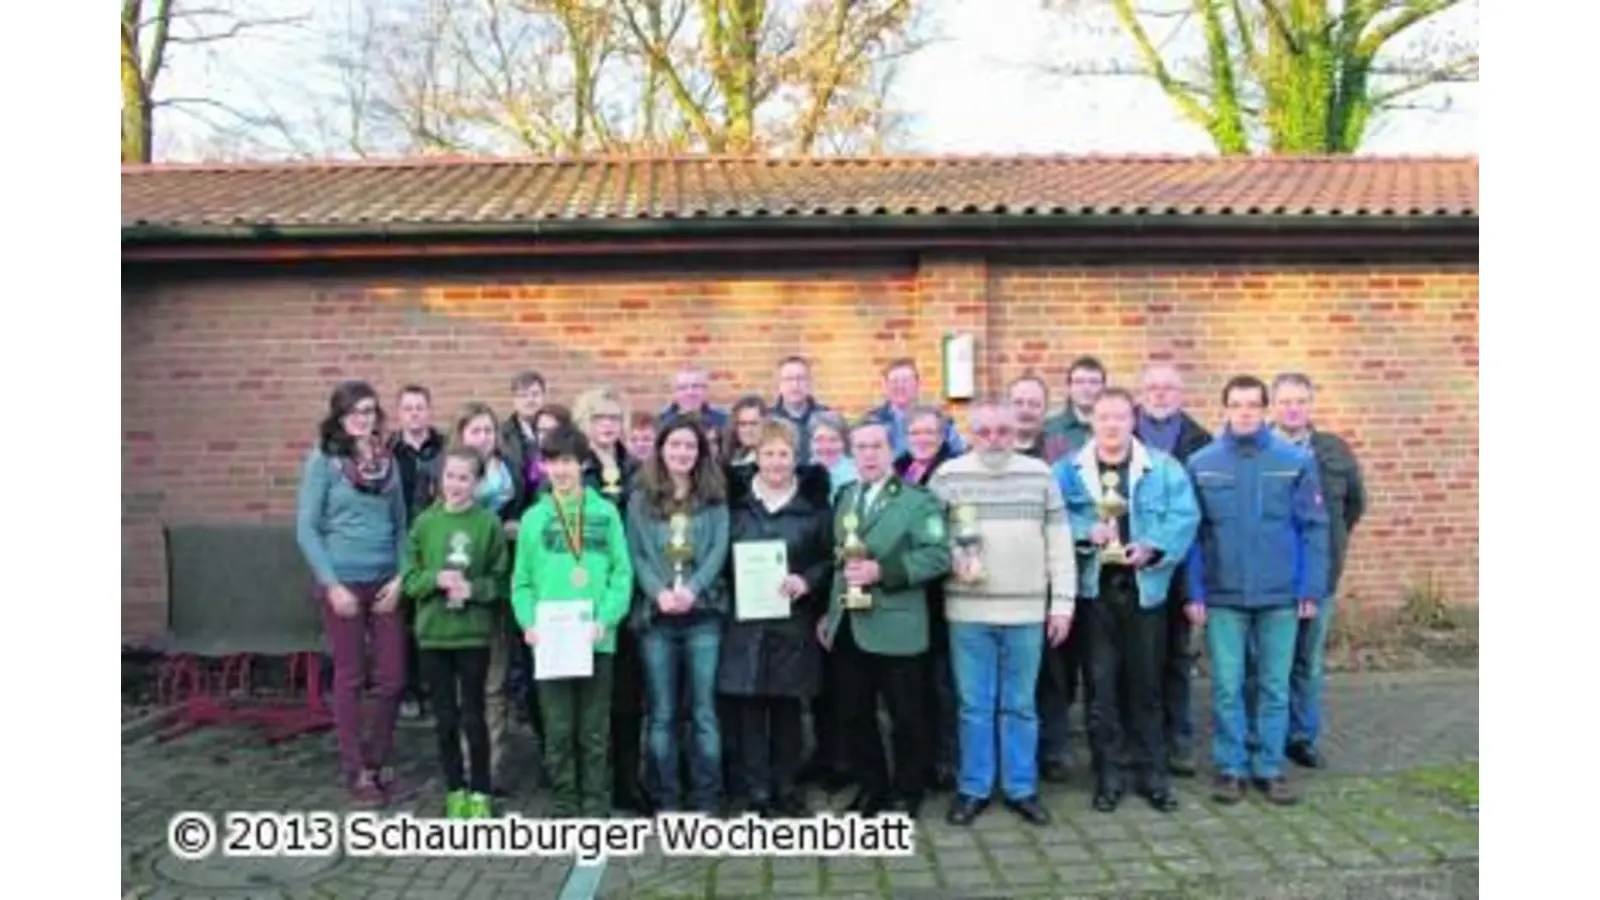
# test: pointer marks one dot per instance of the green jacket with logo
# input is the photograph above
(545, 565)
(472, 542)
(904, 532)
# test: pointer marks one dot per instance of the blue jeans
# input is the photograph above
(1230, 634)
(1305, 680)
(996, 671)
(668, 649)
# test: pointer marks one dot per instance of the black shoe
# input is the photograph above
(1304, 755)
(1181, 764)
(791, 806)
(1056, 772)
(1160, 798)
(760, 807)
(907, 806)
(866, 803)
(964, 809)
(1029, 809)
(1107, 796)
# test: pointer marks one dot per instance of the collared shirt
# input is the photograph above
(1161, 434)
(1303, 439)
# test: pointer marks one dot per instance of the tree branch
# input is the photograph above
(1415, 11)
(1460, 70)
(1187, 104)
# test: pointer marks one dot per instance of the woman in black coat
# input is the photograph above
(769, 667)
(928, 450)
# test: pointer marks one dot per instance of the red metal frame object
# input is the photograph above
(286, 722)
(183, 682)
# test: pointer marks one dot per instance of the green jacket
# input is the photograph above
(904, 531)
(1063, 434)
(472, 542)
(545, 564)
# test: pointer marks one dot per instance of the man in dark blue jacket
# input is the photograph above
(1259, 565)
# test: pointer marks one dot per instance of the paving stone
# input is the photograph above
(1120, 850)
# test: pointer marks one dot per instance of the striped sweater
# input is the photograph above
(1027, 544)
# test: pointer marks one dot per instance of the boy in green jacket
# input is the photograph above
(455, 568)
(571, 546)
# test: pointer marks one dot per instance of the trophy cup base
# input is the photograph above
(854, 602)
(1114, 556)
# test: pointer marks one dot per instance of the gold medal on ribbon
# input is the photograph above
(572, 533)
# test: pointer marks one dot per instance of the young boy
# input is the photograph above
(571, 546)
(456, 562)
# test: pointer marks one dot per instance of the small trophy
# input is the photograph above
(679, 551)
(969, 541)
(612, 476)
(458, 561)
(1112, 508)
(851, 548)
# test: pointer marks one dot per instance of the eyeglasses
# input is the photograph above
(997, 431)
(364, 409)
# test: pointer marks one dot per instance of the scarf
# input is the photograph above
(369, 472)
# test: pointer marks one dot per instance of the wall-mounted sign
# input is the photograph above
(960, 357)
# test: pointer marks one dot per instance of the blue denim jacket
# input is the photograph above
(1162, 513)
(1263, 528)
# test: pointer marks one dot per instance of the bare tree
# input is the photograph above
(577, 76)
(1292, 76)
(151, 33)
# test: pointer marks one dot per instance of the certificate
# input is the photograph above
(759, 568)
(566, 639)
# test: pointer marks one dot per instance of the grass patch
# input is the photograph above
(1457, 781)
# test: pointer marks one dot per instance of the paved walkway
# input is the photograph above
(1361, 830)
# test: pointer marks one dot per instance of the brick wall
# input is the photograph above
(224, 378)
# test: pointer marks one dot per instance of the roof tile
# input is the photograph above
(494, 191)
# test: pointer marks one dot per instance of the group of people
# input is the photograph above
(977, 593)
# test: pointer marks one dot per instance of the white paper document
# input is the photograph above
(566, 639)
(759, 568)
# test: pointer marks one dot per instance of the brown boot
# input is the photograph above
(1227, 789)
(1280, 792)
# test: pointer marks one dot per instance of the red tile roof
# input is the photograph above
(447, 192)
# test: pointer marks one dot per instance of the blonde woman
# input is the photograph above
(610, 469)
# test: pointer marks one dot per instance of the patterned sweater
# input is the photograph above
(1026, 542)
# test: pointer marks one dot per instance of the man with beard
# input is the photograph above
(1066, 433)
(1013, 568)
(1162, 424)
(1126, 558)
(1029, 399)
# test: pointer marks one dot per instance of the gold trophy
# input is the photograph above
(679, 551)
(612, 476)
(969, 541)
(851, 548)
(1112, 508)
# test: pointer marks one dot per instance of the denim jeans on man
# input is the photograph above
(1230, 632)
(1305, 679)
(674, 649)
(996, 673)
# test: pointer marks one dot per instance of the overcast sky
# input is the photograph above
(977, 89)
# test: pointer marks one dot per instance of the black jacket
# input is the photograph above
(780, 657)
(1344, 495)
(419, 470)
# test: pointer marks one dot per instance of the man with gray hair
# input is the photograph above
(1345, 496)
(1160, 422)
(1014, 566)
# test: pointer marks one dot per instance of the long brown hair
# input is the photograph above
(472, 411)
(706, 484)
(730, 435)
